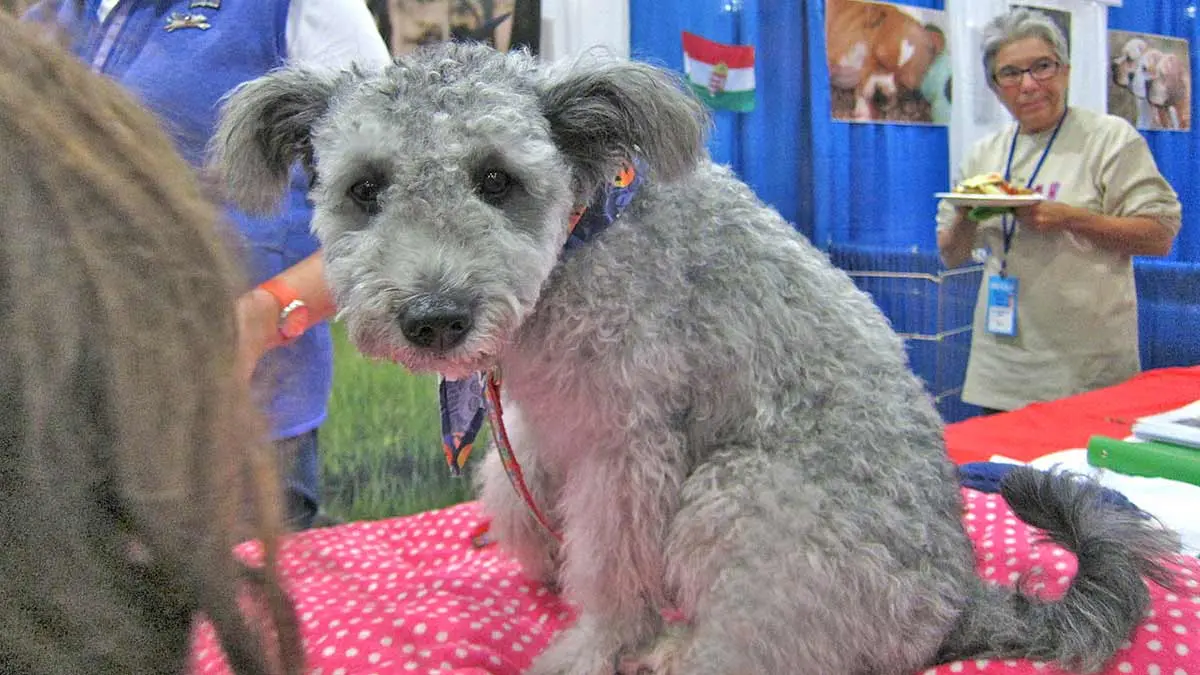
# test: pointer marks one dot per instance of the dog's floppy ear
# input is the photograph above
(605, 110)
(264, 126)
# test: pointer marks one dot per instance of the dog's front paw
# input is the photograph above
(578, 651)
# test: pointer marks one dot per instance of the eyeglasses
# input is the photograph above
(1041, 70)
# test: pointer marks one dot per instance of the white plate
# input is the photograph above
(996, 201)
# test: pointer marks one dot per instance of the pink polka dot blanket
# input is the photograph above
(413, 595)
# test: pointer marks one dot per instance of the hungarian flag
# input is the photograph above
(721, 75)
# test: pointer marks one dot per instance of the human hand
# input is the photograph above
(1047, 216)
(258, 331)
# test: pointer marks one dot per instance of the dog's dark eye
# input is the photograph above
(494, 185)
(366, 193)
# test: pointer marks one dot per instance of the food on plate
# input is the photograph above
(989, 184)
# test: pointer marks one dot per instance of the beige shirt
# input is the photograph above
(1076, 303)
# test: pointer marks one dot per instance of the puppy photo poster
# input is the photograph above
(1151, 82)
(888, 62)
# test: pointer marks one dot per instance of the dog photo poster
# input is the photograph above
(503, 24)
(887, 62)
(1151, 83)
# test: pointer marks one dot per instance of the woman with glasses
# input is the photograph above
(1056, 313)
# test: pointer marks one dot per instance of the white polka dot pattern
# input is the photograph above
(410, 595)
(1008, 551)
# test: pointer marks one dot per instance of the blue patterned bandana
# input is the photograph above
(467, 402)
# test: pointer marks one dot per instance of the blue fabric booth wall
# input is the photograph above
(1168, 312)
(837, 182)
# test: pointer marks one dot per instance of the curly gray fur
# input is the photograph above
(281, 110)
(715, 417)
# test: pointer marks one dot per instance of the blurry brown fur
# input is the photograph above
(15, 6)
(127, 447)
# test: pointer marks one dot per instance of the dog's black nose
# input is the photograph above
(436, 322)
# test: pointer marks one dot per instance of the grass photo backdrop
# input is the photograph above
(381, 448)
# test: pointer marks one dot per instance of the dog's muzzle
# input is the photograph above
(439, 322)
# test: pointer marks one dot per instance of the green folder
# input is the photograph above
(1149, 458)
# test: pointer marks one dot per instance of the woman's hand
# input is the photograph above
(258, 329)
(1047, 216)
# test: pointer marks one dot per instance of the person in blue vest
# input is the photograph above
(180, 57)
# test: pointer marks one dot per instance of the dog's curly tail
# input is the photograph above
(1117, 551)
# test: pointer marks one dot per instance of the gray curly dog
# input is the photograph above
(719, 423)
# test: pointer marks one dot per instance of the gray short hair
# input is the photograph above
(1018, 24)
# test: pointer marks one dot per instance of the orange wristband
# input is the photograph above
(293, 312)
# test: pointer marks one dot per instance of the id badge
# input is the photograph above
(1002, 305)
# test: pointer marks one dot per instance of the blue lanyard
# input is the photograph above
(1008, 224)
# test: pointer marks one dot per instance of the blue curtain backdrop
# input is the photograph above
(869, 184)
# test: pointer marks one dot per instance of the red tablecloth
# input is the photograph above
(411, 595)
(1042, 428)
